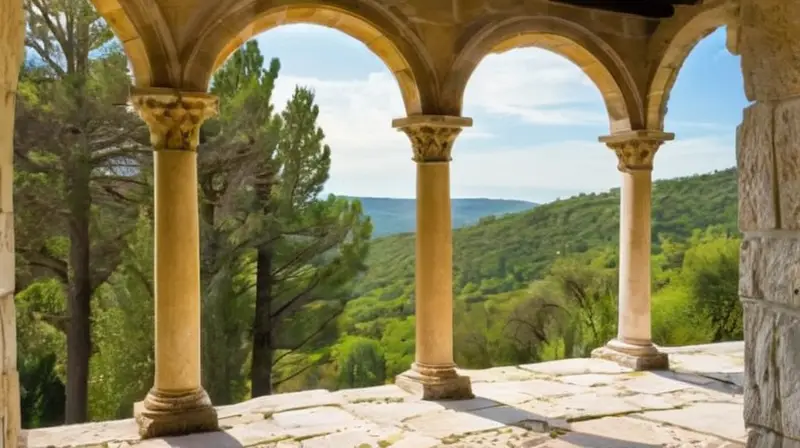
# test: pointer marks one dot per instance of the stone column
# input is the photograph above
(433, 375)
(633, 346)
(12, 34)
(768, 157)
(177, 403)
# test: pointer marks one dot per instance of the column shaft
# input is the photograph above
(433, 374)
(12, 34)
(434, 267)
(634, 258)
(633, 346)
(177, 404)
(177, 272)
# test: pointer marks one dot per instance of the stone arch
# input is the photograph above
(594, 57)
(381, 33)
(677, 39)
(146, 51)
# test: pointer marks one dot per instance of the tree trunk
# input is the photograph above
(261, 370)
(79, 343)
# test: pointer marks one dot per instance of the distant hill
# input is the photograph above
(392, 215)
(507, 253)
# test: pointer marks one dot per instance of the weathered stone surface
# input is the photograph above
(495, 374)
(448, 424)
(723, 420)
(655, 383)
(82, 435)
(757, 207)
(769, 48)
(772, 376)
(591, 379)
(627, 431)
(576, 366)
(787, 157)
(762, 438)
(656, 404)
(769, 269)
(391, 413)
(282, 402)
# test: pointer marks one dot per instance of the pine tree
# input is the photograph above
(75, 160)
(315, 246)
(261, 175)
(229, 144)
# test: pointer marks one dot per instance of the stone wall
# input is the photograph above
(768, 154)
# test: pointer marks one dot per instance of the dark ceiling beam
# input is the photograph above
(656, 9)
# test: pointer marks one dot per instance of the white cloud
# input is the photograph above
(538, 87)
(371, 158)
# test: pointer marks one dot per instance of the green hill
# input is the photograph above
(394, 215)
(507, 253)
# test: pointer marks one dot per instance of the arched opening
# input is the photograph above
(135, 48)
(681, 38)
(537, 117)
(322, 343)
(595, 58)
(697, 93)
(389, 41)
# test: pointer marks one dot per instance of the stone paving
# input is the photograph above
(560, 404)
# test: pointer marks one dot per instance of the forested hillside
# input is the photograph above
(542, 284)
(395, 215)
(503, 254)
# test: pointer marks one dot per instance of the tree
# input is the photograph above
(229, 145)
(122, 366)
(75, 156)
(710, 273)
(314, 246)
(361, 363)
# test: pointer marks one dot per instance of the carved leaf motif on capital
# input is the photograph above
(636, 154)
(174, 120)
(432, 143)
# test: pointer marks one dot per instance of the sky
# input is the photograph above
(536, 115)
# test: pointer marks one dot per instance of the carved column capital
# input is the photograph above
(635, 150)
(174, 117)
(432, 136)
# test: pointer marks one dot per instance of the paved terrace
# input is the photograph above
(559, 404)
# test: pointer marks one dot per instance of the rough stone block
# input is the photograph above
(6, 253)
(772, 369)
(650, 361)
(770, 269)
(757, 207)
(762, 438)
(454, 387)
(787, 155)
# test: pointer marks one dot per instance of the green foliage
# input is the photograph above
(507, 253)
(122, 366)
(361, 363)
(41, 350)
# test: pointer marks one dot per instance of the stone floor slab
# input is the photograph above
(528, 406)
(724, 420)
(497, 374)
(450, 424)
(575, 366)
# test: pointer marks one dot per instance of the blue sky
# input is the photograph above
(535, 132)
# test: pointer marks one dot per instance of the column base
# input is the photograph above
(636, 357)
(163, 414)
(435, 383)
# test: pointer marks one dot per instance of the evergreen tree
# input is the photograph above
(314, 248)
(75, 160)
(229, 145)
